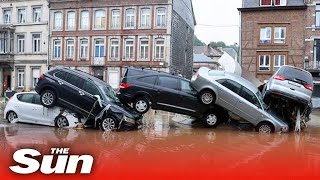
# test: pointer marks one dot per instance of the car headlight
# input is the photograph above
(129, 120)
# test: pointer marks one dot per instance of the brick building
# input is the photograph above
(102, 37)
(23, 43)
(272, 35)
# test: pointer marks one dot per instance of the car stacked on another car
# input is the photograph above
(237, 95)
(77, 91)
(145, 89)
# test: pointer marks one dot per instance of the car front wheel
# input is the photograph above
(12, 116)
(108, 124)
(48, 98)
(61, 122)
(265, 127)
(141, 105)
(212, 119)
(207, 97)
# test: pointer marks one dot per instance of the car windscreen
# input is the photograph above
(296, 75)
(110, 93)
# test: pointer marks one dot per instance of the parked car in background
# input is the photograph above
(289, 89)
(237, 95)
(79, 91)
(26, 107)
(145, 89)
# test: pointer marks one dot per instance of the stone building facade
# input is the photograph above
(23, 43)
(103, 37)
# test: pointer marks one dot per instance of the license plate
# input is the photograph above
(294, 83)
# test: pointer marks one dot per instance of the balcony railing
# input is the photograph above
(99, 61)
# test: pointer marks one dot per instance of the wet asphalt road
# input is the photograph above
(169, 143)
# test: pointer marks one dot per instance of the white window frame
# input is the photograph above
(115, 19)
(114, 48)
(279, 64)
(57, 22)
(35, 78)
(162, 16)
(7, 13)
(36, 18)
(264, 35)
(129, 49)
(130, 19)
(21, 77)
(71, 20)
(36, 42)
(22, 15)
(279, 31)
(158, 48)
(84, 21)
(99, 45)
(271, 2)
(70, 48)
(99, 20)
(58, 46)
(264, 64)
(144, 49)
(20, 43)
(84, 47)
(145, 18)
(282, 3)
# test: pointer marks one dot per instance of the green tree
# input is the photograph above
(217, 44)
(197, 42)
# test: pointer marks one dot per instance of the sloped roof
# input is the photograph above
(201, 58)
(233, 53)
(207, 50)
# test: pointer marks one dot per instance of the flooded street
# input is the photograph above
(169, 149)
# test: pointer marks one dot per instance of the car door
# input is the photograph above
(41, 114)
(228, 93)
(248, 106)
(168, 94)
(189, 100)
(25, 107)
(90, 90)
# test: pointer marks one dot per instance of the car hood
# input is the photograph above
(127, 111)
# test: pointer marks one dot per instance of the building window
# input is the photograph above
(145, 18)
(128, 51)
(35, 76)
(100, 19)
(84, 20)
(115, 18)
(57, 49)
(279, 60)
(279, 35)
(21, 16)
(318, 15)
(99, 48)
(280, 2)
(264, 63)
(20, 43)
(265, 2)
(20, 78)
(36, 39)
(265, 35)
(114, 49)
(130, 18)
(71, 20)
(159, 48)
(273, 2)
(6, 16)
(316, 53)
(3, 42)
(57, 20)
(37, 14)
(70, 48)
(84, 48)
(144, 49)
(161, 17)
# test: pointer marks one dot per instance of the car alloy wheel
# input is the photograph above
(265, 129)
(207, 98)
(108, 124)
(141, 106)
(47, 98)
(12, 116)
(61, 121)
(212, 119)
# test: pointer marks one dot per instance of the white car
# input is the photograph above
(26, 107)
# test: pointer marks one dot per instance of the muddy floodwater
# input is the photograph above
(169, 147)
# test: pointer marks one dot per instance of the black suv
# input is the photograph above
(77, 91)
(145, 89)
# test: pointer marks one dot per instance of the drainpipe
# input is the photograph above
(49, 35)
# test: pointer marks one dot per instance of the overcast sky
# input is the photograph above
(217, 20)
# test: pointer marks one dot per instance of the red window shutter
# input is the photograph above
(277, 2)
(266, 2)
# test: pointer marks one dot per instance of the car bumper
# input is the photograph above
(124, 98)
(130, 124)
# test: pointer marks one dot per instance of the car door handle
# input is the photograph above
(60, 82)
(81, 93)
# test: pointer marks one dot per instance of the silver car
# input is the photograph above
(237, 95)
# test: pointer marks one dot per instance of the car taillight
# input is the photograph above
(308, 86)
(280, 78)
(41, 76)
(197, 74)
(124, 86)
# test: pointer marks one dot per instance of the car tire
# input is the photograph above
(11, 116)
(207, 97)
(61, 122)
(108, 123)
(212, 119)
(141, 105)
(48, 98)
(265, 127)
